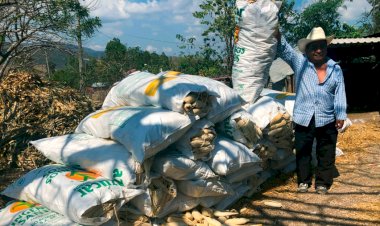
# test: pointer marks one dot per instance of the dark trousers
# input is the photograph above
(326, 137)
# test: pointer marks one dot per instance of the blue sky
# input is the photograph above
(153, 24)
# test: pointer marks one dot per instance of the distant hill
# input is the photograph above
(59, 58)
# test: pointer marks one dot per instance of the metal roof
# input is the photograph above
(339, 41)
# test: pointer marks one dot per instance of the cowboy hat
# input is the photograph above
(315, 34)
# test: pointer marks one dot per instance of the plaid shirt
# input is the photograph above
(325, 101)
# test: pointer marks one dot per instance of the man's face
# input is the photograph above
(316, 51)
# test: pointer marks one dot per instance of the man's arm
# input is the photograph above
(286, 52)
(340, 102)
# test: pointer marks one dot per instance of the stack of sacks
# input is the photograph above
(278, 136)
(287, 100)
(198, 142)
(216, 181)
(240, 127)
(101, 156)
(144, 131)
(269, 135)
(82, 197)
(189, 94)
(159, 156)
(197, 167)
(255, 46)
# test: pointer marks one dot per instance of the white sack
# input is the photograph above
(204, 187)
(181, 203)
(240, 189)
(264, 110)
(143, 89)
(255, 181)
(224, 100)
(31, 214)
(184, 146)
(83, 197)
(240, 127)
(255, 46)
(285, 98)
(144, 131)
(347, 123)
(157, 197)
(101, 156)
(175, 165)
(243, 173)
(229, 156)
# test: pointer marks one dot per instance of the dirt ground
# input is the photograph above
(354, 198)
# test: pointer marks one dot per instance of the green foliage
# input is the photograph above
(79, 22)
(321, 13)
(69, 75)
(28, 25)
(115, 50)
(219, 17)
(119, 59)
(374, 17)
(287, 19)
(199, 64)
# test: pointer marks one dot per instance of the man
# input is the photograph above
(319, 109)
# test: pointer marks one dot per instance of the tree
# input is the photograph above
(202, 62)
(219, 17)
(374, 16)
(68, 76)
(114, 60)
(321, 13)
(287, 18)
(82, 26)
(28, 25)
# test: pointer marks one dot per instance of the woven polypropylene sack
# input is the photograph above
(229, 156)
(28, 214)
(223, 99)
(255, 46)
(81, 196)
(175, 165)
(101, 156)
(144, 131)
(143, 89)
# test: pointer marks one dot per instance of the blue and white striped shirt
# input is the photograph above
(326, 101)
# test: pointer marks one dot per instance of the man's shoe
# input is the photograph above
(321, 189)
(302, 187)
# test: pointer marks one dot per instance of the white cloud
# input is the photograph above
(114, 29)
(167, 49)
(179, 19)
(96, 47)
(151, 48)
(352, 11)
(124, 9)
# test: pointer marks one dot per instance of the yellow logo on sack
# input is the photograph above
(100, 113)
(236, 34)
(153, 86)
(81, 175)
(284, 95)
(19, 206)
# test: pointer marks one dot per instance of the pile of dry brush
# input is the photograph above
(30, 109)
